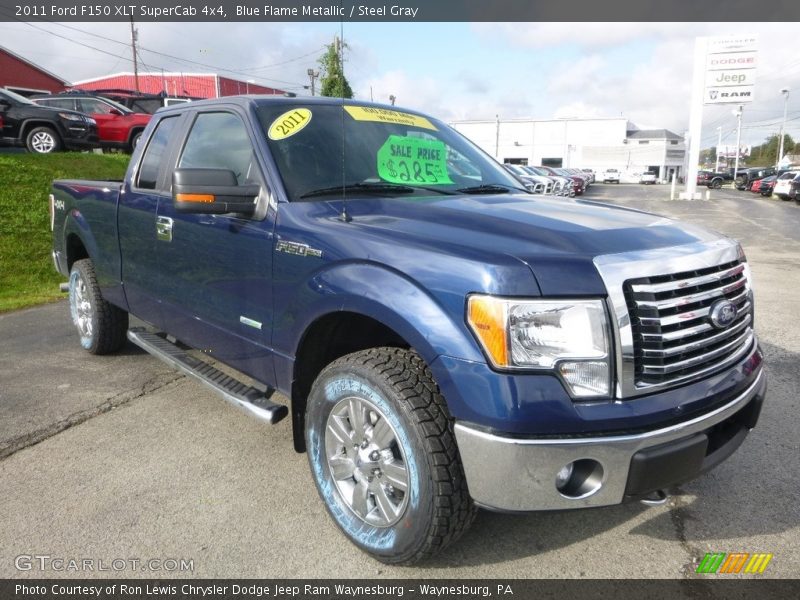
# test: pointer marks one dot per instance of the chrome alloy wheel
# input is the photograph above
(81, 306)
(43, 142)
(367, 462)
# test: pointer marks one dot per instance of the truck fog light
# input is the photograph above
(580, 479)
(586, 378)
(562, 477)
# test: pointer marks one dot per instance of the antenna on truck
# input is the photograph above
(339, 47)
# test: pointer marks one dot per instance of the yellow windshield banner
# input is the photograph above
(386, 115)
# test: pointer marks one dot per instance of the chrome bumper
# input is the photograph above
(512, 474)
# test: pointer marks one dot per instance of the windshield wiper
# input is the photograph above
(371, 188)
(360, 187)
(491, 188)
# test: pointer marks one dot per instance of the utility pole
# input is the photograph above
(738, 113)
(785, 92)
(719, 143)
(312, 74)
(392, 98)
(135, 62)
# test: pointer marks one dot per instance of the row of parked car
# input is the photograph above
(783, 183)
(551, 180)
(68, 121)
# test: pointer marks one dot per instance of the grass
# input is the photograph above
(27, 276)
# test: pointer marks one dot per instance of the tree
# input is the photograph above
(767, 153)
(334, 83)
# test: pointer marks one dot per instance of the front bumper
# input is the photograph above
(519, 474)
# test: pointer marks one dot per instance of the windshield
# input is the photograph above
(320, 148)
(14, 96)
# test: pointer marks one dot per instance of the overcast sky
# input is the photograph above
(641, 71)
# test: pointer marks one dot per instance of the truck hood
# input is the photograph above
(557, 238)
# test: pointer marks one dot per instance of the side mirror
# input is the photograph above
(115, 111)
(212, 192)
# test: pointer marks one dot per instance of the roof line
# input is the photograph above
(143, 74)
(34, 65)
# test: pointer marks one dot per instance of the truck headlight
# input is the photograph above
(569, 337)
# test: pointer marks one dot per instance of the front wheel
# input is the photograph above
(384, 457)
(42, 140)
(102, 326)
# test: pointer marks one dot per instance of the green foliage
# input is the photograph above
(27, 276)
(334, 83)
(766, 154)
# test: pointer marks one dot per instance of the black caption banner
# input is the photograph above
(391, 589)
(402, 10)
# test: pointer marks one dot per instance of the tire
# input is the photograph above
(102, 326)
(409, 443)
(716, 184)
(42, 140)
(134, 141)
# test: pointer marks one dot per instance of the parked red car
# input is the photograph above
(117, 126)
(764, 186)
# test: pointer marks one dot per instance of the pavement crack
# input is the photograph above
(678, 513)
(14, 445)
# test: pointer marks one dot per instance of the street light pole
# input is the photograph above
(785, 92)
(738, 114)
(719, 143)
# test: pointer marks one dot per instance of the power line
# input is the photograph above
(246, 73)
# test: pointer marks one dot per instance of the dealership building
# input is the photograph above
(596, 144)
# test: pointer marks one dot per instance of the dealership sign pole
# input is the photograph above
(724, 73)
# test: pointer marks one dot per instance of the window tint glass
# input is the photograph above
(92, 106)
(219, 140)
(59, 103)
(154, 154)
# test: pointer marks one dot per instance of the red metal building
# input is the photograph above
(22, 76)
(199, 85)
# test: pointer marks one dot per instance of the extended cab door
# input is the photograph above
(217, 268)
(146, 185)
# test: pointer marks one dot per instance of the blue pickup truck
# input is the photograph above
(445, 340)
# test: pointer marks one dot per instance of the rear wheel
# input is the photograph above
(716, 184)
(102, 326)
(42, 140)
(383, 455)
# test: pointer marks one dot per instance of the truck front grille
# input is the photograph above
(673, 337)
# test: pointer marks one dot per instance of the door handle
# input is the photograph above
(164, 229)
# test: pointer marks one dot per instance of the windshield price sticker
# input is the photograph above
(386, 115)
(289, 123)
(413, 160)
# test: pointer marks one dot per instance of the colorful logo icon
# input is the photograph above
(735, 562)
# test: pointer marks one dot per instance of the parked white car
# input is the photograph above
(610, 176)
(787, 185)
(648, 177)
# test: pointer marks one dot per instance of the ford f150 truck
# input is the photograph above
(444, 341)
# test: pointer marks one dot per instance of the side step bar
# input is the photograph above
(249, 399)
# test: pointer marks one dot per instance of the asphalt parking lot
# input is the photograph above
(119, 457)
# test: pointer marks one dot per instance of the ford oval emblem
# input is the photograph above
(723, 313)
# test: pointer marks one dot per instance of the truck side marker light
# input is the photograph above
(487, 319)
(194, 197)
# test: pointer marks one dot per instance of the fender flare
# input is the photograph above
(389, 297)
